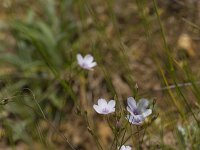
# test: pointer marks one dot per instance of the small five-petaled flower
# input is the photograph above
(138, 111)
(86, 62)
(104, 107)
(123, 147)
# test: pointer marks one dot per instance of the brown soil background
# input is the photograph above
(181, 20)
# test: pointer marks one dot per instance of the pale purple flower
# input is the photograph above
(104, 107)
(135, 119)
(123, 147)
(86, 62)
(138, 110)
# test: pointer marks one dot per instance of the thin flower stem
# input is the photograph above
(138, 137)
(191, 24)
(169, 57)
(123, 138)
(44, 117)
(177, 85)
(190, 109)
(163, 36)
(114, 132)
(83, 100)
(122, 48)
(92, 132)
(143, 134)
(112, 143)
(169, 90)
(131, 136)
(127, 123)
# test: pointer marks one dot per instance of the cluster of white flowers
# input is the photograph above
(138, 111)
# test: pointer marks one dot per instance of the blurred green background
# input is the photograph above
(152, 43)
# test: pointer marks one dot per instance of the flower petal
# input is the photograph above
(123, 147)
(135, 119)
(86, 66)
(131, 103)
(111, 103)
(130, 110)
(147, 112)
(79, 58)
(111, 110)
(102, 102)
(128, 148)
(142, 104)
(97, 109)
(92, 64)
(88, 58)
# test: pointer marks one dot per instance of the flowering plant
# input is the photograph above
(104, 107)
(138, 111)
(86, 62)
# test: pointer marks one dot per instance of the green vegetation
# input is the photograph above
(142, 49)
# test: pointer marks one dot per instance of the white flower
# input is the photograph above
(86, 62)
(123, 147)
(104, 107)
(181, 129)
(138, 110)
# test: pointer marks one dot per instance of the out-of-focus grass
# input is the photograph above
(43, 59)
